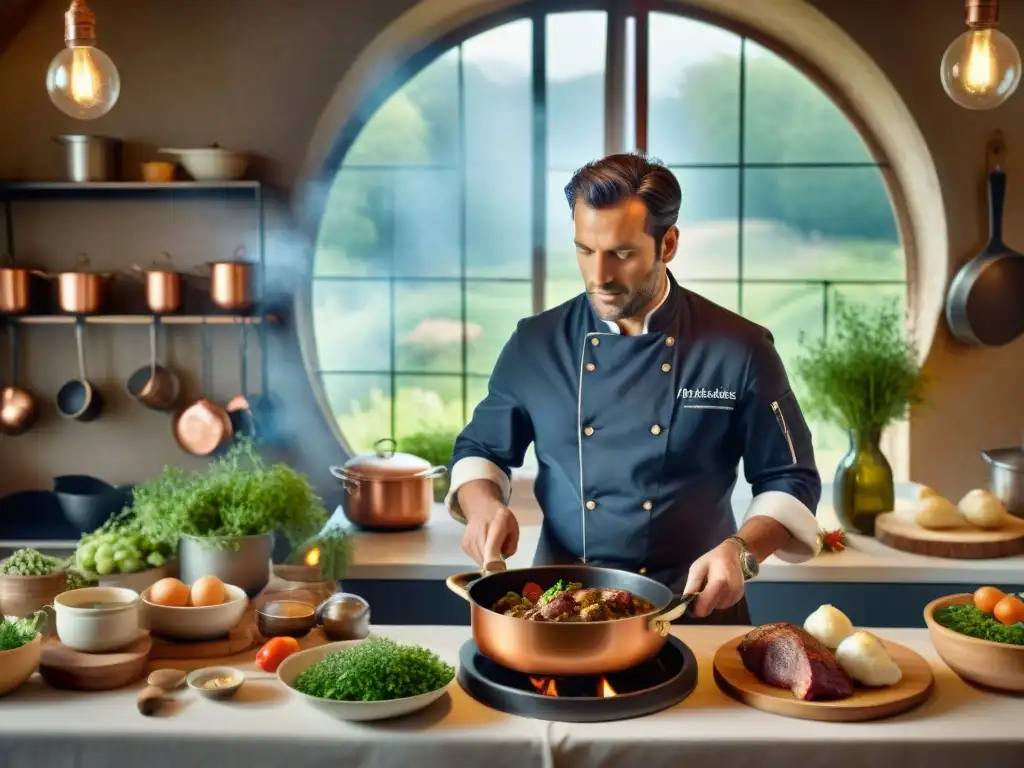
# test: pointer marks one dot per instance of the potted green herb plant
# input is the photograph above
(863, 377)
(435, 447)
(222, 519)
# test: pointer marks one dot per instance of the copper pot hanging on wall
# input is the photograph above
(231, 283)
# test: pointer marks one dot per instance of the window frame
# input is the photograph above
(615, 72)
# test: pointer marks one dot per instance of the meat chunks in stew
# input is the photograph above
(571, 601)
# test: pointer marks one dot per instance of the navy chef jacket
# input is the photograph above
(638, 438)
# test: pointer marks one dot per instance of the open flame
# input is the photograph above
(548, 686)
(313, 557)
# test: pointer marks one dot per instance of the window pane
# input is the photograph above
(351, 325)
(355, 231)
(693, 91)
(561, 253)
(498, 123)
(492, 312)
(574, 79)
(724, 294)
(870, 296)
(427, 404)
(708, 223)
(426, 223)
(418, 124)
(813, 223)
(787, 310)
(428, 327)
(361, 404)
(790, 119)
(560, 291)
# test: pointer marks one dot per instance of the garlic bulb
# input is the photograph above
(936, 513)
(983, 509)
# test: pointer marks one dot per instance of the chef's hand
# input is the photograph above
(491, 532)
(719, 579)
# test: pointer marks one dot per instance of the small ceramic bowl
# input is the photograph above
(216, 682)
(97, 619)
(286, 618)
(158, 172)
(206, 622)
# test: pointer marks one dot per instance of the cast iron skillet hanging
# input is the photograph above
(78, 399)
(985, 302)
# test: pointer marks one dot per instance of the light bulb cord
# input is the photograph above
(981, 13)
(79, 25)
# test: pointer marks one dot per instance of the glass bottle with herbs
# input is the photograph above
(862, 377)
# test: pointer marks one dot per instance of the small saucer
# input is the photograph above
(228, 681)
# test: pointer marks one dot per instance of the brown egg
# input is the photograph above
(207, 590)
(986, 599)
(170, 592)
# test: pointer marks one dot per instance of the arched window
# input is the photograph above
(446, 222)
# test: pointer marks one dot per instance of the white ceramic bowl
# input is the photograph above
(297, 663)
(197, 680)
(211, 163)
(195, 623)
(17, 666)
(97, 619)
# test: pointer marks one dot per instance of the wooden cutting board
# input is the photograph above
(63, 667)
(959, 543)
(865, 704)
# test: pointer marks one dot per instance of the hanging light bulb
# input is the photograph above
(82, 80)
(981, 69)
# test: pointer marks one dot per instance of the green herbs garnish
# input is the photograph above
(558, 586)
(376, 670)
(30, 562)
(18, 632)
(968, 620)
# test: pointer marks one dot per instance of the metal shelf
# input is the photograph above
(29, 190)
(144, 319)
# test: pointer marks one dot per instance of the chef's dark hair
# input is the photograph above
(610, 180)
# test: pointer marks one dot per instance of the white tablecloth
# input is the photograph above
(267, 727)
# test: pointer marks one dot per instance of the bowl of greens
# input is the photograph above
(980, 636)
(372, 679)
(20, 649)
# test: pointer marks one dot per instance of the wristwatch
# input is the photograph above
(748, 560)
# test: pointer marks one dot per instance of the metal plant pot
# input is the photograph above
(240, 560)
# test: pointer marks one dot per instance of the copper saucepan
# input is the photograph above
(16, 289)
(18, 408)
(163, 287)
(203, 426)
(81, 293)
(231, 283)
(560, 649)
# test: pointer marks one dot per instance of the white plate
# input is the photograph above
(361, 711)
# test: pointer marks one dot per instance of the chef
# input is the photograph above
(641, 399)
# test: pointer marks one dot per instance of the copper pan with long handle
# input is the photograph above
(203, 426)
(562, 649)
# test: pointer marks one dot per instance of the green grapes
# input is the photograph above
(118, 549)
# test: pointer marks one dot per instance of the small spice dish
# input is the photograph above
(286, 618)
(216, 682)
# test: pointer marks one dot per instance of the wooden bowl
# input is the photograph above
(22, 596)
(994, 665)
(17, 666)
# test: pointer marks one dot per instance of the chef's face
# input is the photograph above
(621, 265)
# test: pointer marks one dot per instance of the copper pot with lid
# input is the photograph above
(387, 490)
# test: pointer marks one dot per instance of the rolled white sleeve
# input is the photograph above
(475, 468)
(796, 518)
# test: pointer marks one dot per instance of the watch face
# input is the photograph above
(749, 564)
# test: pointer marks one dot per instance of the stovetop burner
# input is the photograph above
(649, 687)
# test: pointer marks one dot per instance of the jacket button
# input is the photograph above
(655, 430)
(588, 431)
(648, 506)
(594, 340)
(666, 367)
(591, 504)
(591, 366)
(670, 341)
(643, 571)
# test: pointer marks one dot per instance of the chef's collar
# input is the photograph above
(614, 327)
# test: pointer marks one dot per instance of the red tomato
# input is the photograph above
(275, 651)
(532, 592)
